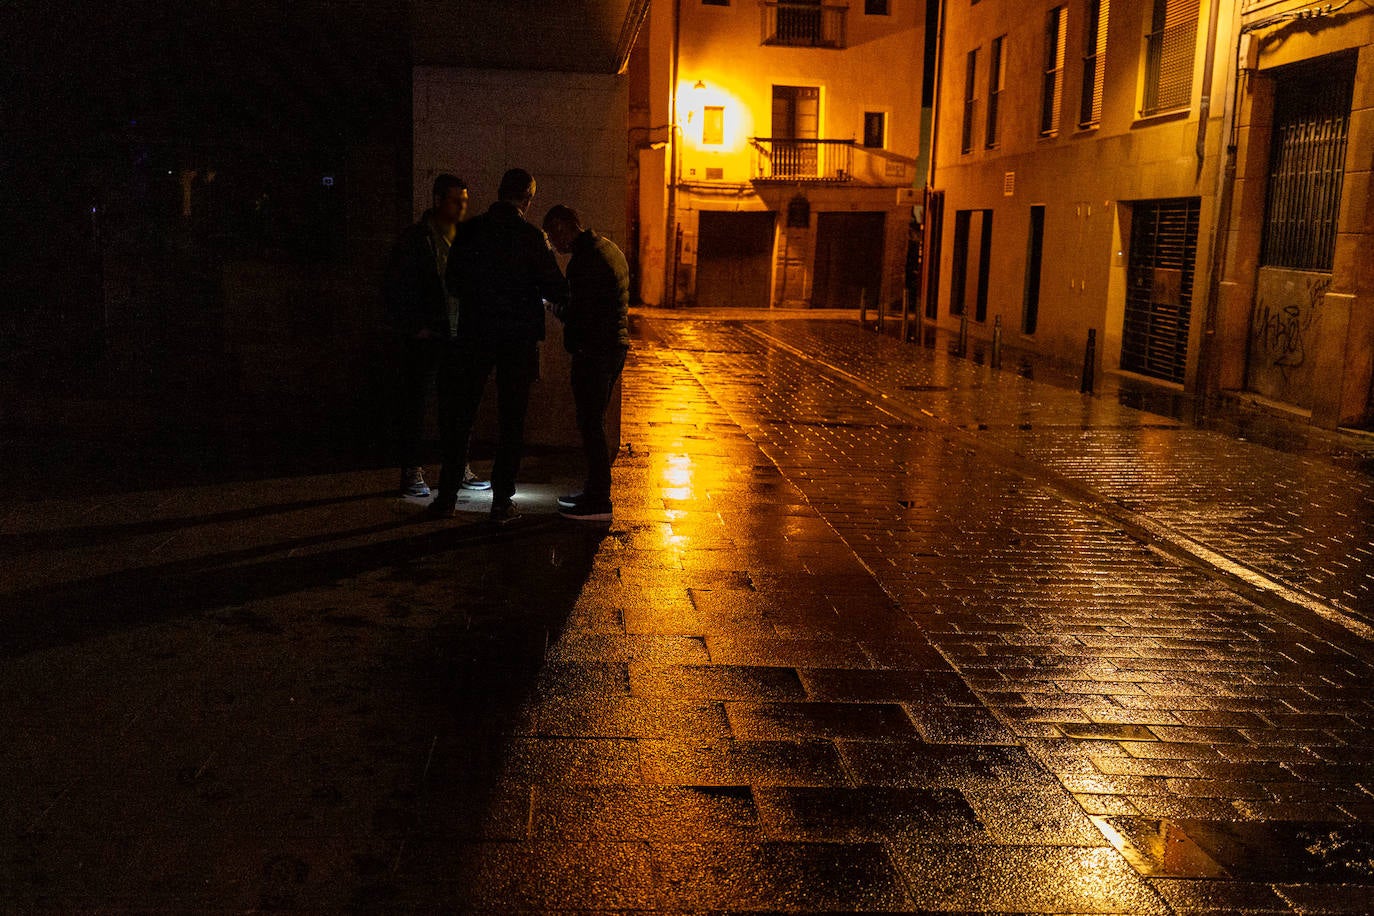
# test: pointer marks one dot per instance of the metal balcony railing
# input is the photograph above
(796, 23)
(778, 159)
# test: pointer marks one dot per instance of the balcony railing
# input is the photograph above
(777, 159)
(795, 23)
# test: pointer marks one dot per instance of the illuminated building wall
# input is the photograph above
(1296, 310)
(766, 110)
(1068, 131)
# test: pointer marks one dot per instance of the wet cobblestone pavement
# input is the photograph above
(874, 629)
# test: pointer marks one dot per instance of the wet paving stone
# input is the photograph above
(742, 763)
(780, 877)
(833, 654)
(1014, 879)
(870, 814)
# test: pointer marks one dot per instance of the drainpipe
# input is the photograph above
(1204, 108)
(1208, 380)
(935, 98)
(670, 267)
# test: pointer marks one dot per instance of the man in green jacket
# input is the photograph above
(596, 332)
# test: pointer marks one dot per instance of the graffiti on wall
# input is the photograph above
(1283, 333)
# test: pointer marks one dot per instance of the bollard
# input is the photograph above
(906, 314)
(1089, 362)
(882, 315)
(863, 308)
(961, 348)
(997, 342)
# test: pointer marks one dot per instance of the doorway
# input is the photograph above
(1159, 287)
(735, 259)
(849, 259)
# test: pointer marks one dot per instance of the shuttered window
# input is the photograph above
(1094, 62)
(1169, 52)
(1052, 87)
(992, 133)
(970, 101)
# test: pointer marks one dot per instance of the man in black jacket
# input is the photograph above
(424, 318)
(596, 332)
(502, 271)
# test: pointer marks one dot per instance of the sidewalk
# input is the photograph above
(874, 629)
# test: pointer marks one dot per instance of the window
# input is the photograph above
(1052, 88)
(713, 125)
(970, 101)
(876, 7)
(803, 23)
(875, 129)
(991, 138)
(1169, 50)
(1094, 62)
(1307, 167)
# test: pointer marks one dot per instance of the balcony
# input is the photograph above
(828, 162)
(798, 24)
(777, 159)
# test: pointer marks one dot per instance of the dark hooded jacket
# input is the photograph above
(502, 270)
(595, 319)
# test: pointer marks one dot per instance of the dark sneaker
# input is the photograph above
(413, 484)
(567, 502)
(504, 513)
(444, 506)
(588, 510)
(472, 482)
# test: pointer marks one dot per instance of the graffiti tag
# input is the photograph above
(1281, 331)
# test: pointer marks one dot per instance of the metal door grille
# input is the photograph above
(1159, 294)
(1307, 165)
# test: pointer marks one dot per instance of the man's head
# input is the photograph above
(450, 199)
(563, 225)
(517, 187)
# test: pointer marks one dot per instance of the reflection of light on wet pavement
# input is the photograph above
(677, 477)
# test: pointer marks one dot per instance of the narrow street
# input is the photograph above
(874, 628)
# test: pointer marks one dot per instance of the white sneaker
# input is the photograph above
(472, 482)
(413, 484)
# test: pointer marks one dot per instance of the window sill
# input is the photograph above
(1160, 117)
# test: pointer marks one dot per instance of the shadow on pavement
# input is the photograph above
(317, 720)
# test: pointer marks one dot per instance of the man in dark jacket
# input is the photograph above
(596, 332)
(502, 271)
(424, 317)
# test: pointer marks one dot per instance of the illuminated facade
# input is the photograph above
(776, 145)
(1085, 158)
(1079, 170)
(1296, 306)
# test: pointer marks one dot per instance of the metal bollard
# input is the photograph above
(863, 308)
(1089, 362)
(961, 348)
(997, 342)
(906, 314)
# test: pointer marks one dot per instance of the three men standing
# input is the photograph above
(468, 299)
(502, 272)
